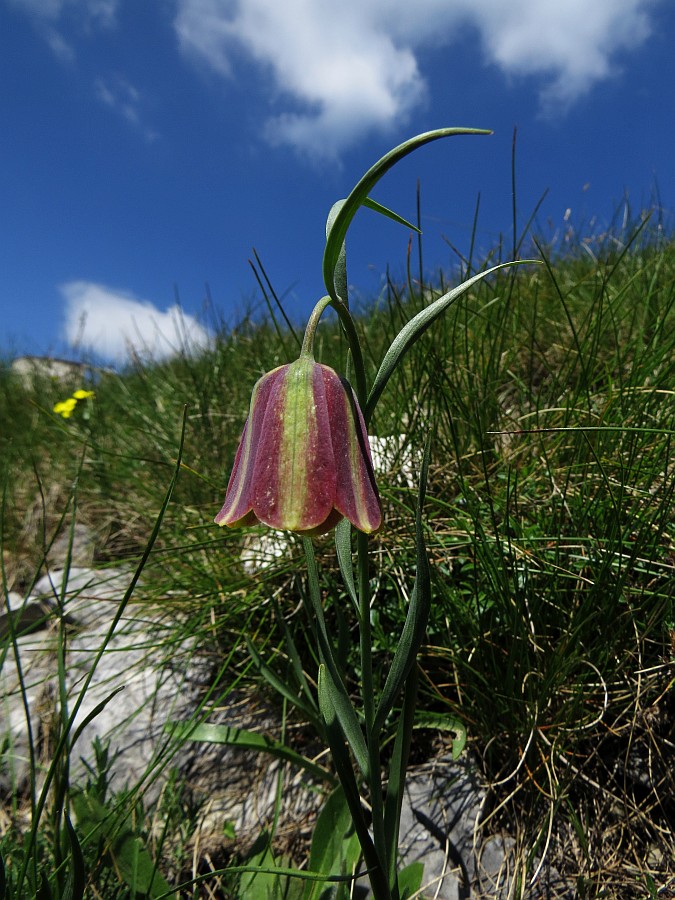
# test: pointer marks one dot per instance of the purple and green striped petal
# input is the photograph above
(356, 497)
(303, 461)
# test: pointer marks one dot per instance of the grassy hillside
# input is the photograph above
(550, 517)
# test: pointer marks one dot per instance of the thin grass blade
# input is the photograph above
(250, 740)
(281, 687)
(334, 686)
(343, 546)
(397, 770)
(389, 214)
(294, 656)
(94, 712)
(75, 883)
(418, 613)
(65, 736)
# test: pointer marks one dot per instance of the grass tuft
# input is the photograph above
(550, 392)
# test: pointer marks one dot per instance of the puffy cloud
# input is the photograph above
(346, 68)
(117, 326)
(340, 73)
(572, 44)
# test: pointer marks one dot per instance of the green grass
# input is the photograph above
(550, 392)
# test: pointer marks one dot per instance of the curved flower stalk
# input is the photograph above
(304, 460)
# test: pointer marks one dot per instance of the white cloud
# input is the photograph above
(344, 69)
(51, 16)
(117, 326)
(123, 98)
(572, 44)
(90, 12)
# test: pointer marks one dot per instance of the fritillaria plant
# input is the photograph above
(304, 465)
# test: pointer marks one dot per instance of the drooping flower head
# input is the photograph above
(304, 460)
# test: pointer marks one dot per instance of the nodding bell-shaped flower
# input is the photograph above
(304, 460)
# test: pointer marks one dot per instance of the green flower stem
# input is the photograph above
(397, 772)
(368, 687)
(352, 339)
(307, 348)
(374, 852)
(340, 697)
(355, 347)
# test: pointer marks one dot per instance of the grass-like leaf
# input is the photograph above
(415, 328)
(343, 765)
(280, 686)
(76, 880)
(333, 686)
(333, 697)
(249, 740)
(128, 852)
(343, 547)
(418, 613)
(349, 207)
(335, 847)
(369, 203)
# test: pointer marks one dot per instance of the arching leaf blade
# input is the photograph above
(415, 328)
(341, 216)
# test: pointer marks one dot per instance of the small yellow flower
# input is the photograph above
(66, 407)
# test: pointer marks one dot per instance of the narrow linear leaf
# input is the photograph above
(280, 686)
(343, 766)
(418, 612)
(94, 712)
(265, 881)
(345, 639)
(389, 214)
(415, 328)
(250, 740)
(75, 883)
(343, 546)
(285, 871)
(397, 770)
(335, 846)
(345, 212)
(339, 274)
(335, 699)
(63, 740)
(294, 656)
(333, 682)
(129, 854)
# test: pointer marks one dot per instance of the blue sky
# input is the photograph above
(147, 147)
